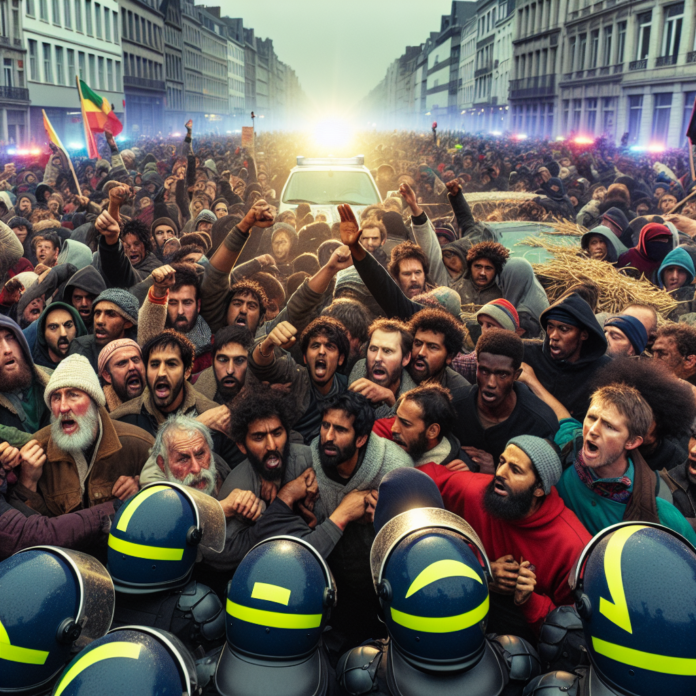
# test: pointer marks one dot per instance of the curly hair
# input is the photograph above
(671, 399)
(260, 403)
(329, 328)
(167, 339)
(355, 405)
(404, 251)
(232, 334)
(684, 336)
(250, 287)
(141, 231)
(439, 321)
(494, 252)
(502, 342)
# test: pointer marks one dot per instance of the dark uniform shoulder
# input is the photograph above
(357, 670)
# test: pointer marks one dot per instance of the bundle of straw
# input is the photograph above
(616, 290)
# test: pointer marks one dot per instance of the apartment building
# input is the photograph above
(14, 94)
(65, 38)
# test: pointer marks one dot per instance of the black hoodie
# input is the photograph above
(570, 382)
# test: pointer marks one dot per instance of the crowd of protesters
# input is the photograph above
(165, 323)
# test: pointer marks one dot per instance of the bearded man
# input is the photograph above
(89, 459)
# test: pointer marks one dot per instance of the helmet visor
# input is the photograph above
(97, 595)
(211, 518)
(404, 524)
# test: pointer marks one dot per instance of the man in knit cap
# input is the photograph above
(115, 313)
(121, 369)
(162, 230)
(204, 221)
(524, 524)
(89, 459)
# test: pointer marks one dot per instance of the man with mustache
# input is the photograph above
(500, 406)
(381, 377)
(22, 384)
(279, 474)
(168, 361)
(122, 372)
(409, 268)
(174, 302)
(115, 314)
(524, 524)
(228, 374)
(58, 325)
(324, 348)
(89, 459)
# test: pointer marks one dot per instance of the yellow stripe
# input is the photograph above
(271, 593)
(103, 652)
(440, 570)
(665, 664)
(617, 610)
(445, 624)
(88, 105)
(272, 619)
(139, 499)
(12, 653)
(150, 553)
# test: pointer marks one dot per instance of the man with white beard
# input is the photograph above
(89, 459)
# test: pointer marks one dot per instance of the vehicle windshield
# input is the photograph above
(331, 188)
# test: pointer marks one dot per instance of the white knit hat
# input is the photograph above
(75, 371)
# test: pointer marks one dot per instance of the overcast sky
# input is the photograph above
(339, 50)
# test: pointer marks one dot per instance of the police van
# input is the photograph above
(323, 183)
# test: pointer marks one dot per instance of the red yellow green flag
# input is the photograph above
(97, 116)
(51, 133)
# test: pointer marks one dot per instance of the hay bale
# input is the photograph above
(616, 290)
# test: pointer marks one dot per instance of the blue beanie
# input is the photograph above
(633, 330)
(402, 490)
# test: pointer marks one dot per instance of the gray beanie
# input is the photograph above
(75, 372)
(127, 304)
(544, 459)
(204, 216)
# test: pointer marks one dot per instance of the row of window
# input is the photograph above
(198, 61)
(141, 30)
(483, 87)
(56, 65)
(173, 67)
(609, 53)
(83, 16)
(10, 70)
(9, 20)
(537, 17)
(197, 103)
(235, 68)
(172, 37)
(541, 62)
(175, 98)
(137, 66)
(213, 47)
(532, 119)
(236, 85)
(204, 85)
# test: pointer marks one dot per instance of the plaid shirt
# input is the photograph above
(465, 364)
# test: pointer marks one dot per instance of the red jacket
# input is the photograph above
(551, 539)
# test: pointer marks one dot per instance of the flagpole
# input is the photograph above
(67, 156)
(691, 160)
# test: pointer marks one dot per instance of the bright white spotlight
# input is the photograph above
(76, 146)
(332, 133)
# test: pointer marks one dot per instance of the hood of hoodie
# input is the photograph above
(459, 250)
(681, 258)
(7, 323)
(596, 344)
(41, 321)
(614, 245)
(76, 253)
(87, 279)
(648, 234)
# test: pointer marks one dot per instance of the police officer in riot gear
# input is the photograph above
(431, 574)
(278, 604)
(636, 597)
(53, 602)
(153, 546)
(132, 660)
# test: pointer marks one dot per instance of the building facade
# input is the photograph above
(174, 114)
(143, 61)
(64, 39)
(14, 94)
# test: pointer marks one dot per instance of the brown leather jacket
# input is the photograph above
(123, 451)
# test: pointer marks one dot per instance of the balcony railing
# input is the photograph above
(143, 82)
(604, 70)
(691, 57)
(16, 93)
(638, 64)
(618, 68)
(529, 87)
(483, 70)
(665, 60)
